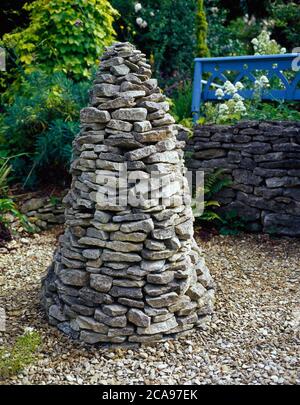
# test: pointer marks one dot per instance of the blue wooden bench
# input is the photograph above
(244, 67)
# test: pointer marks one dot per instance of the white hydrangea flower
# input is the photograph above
(139, 21)
(254, 41)
(239, 85)
(219, 93)
(144, 24)
(152, 13)
(283, 50)
(264, 80)
(237, 97)
(229, 88)
(137, 7)
(223, 109)
(239, 107)
(257, 83)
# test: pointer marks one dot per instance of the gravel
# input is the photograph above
(253, 337)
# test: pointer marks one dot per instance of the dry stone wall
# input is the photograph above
(263, 161)
(43, 212)
(127, 271)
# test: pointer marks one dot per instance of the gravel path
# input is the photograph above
(254, 335)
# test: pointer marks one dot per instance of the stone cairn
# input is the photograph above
(127, 270)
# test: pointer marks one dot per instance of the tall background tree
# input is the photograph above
(201, 31)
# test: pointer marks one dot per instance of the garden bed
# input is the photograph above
(253, 337)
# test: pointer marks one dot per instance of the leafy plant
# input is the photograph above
(181, 104)
(286, 22)
(7, 205)
(14, 359)
(213, 183)
(62, 36)
(231, 223)
(41, 125)
(5, 169)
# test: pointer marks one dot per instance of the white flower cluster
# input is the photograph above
(140, 22)
(137, 7)
(262, 83)
(28, 330)
(236, 104)
(264, 45)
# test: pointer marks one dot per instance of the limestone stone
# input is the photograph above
(129, 237)
(76, 278)
(119, 321)
(91, 253)
(90, 324)
(92, 114)
(138, 317)
(106, 90)
(131, 303)
(120, 70)
(161, 278)
(114, 310)
(109, 255)
(126, 292)
(158, 327)
(100, 282)
(142, 126)
(143, 226)
(119, 246)
(130, 114)
(162, 301)
(120, 125)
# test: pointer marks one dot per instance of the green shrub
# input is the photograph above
(14, 359)
(62, 36)
(181, 102)
(286, 22)
(41, 123)
(228, 37)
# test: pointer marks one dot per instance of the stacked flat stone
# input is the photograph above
(129, 273)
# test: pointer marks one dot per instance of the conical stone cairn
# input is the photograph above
(127, 268)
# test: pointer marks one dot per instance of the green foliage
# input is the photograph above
(165, 30)
(231, 223)
(201, 27)
(42, 125)
(63, 36)
(276, 110)
(5, 169)
(181, 103)
(286, 18)
(213, 183)
(226, 36)
(14, 359)
(7, 205)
